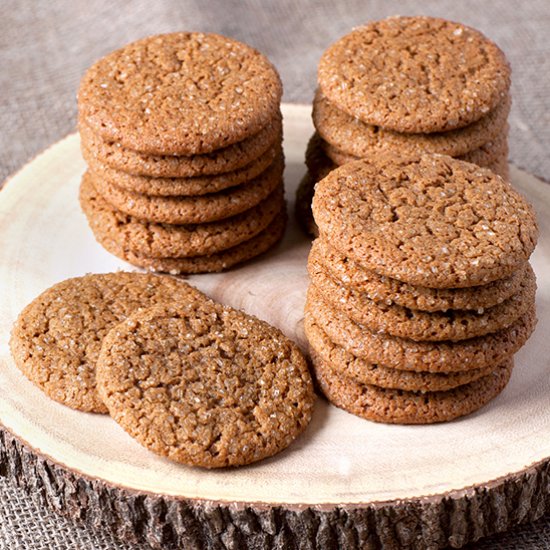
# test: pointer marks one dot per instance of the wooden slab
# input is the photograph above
(346, 483)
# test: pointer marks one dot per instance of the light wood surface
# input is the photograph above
(341, 462)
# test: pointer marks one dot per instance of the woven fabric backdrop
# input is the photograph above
(46, 46)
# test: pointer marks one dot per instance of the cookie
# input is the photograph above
(57, 337)
(405, 354)
(486, 156)
(378, 288)
(167, 187)
(415, 74)
(322, 349)
(489, 152)
(353, 137)
(230, 158)
(404, 407)
(194, 209)
(156, 240)
(183, 93)
(212, 263)
(204, 384)
(436, 222)
(302, 207)
(501, 168)
(419, 325)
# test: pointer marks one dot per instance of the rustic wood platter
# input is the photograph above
(346, 483)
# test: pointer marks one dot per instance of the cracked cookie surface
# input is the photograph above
(436, 222)
(204, 384)
(57, 337)
(183, 93)
(415, 74)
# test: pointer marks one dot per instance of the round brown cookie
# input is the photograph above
(405, 354)
(489, 152)
(194, 209)
(436, 222)
(319, 166)
(183, 93)
(344, 363)
(501, 168)
(302, 207)
(486, 156)
(419, 325)
(233, 157)
(327, 259)
(403, 407)
(415, 74)
(175, 241)
(204, 384)
(57, 337)
(212, 263)
(168, 187)
(353, 137)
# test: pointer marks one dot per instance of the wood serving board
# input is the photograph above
(346, 483)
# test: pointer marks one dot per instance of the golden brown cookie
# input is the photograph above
(407, 407)
(57, 337)
(489, 153)
(157, 240)
(405, 354)
(219, 261)
(379, 288)
(169, 187)
(436, 222)
(302, 207)
(183, 93)
(419, 325)
(233, 157)
(193, 209)
(415, 74)
(322, 349)
(353, 137)
(204, 384)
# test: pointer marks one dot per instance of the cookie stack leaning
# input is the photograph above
(182, 134)
(408, 85)
(421, 291)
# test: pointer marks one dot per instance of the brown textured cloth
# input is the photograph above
(46, 46)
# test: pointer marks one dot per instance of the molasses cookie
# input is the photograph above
(157, 240)
(57, 337)
(210, 386)
(436, 221)
(184, 93)
(415, 74)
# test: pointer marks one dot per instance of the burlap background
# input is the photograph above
(46, 46)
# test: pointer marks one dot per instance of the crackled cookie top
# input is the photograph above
(436, 222)
(204, 384)
(57, 337)
(182, 93)
(415, 74)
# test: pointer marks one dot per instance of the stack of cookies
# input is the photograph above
(408, 85)
(182, 134)
(421, 291)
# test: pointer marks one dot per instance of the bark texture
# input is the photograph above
(164, 522)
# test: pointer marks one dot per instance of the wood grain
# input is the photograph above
(346, 483)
